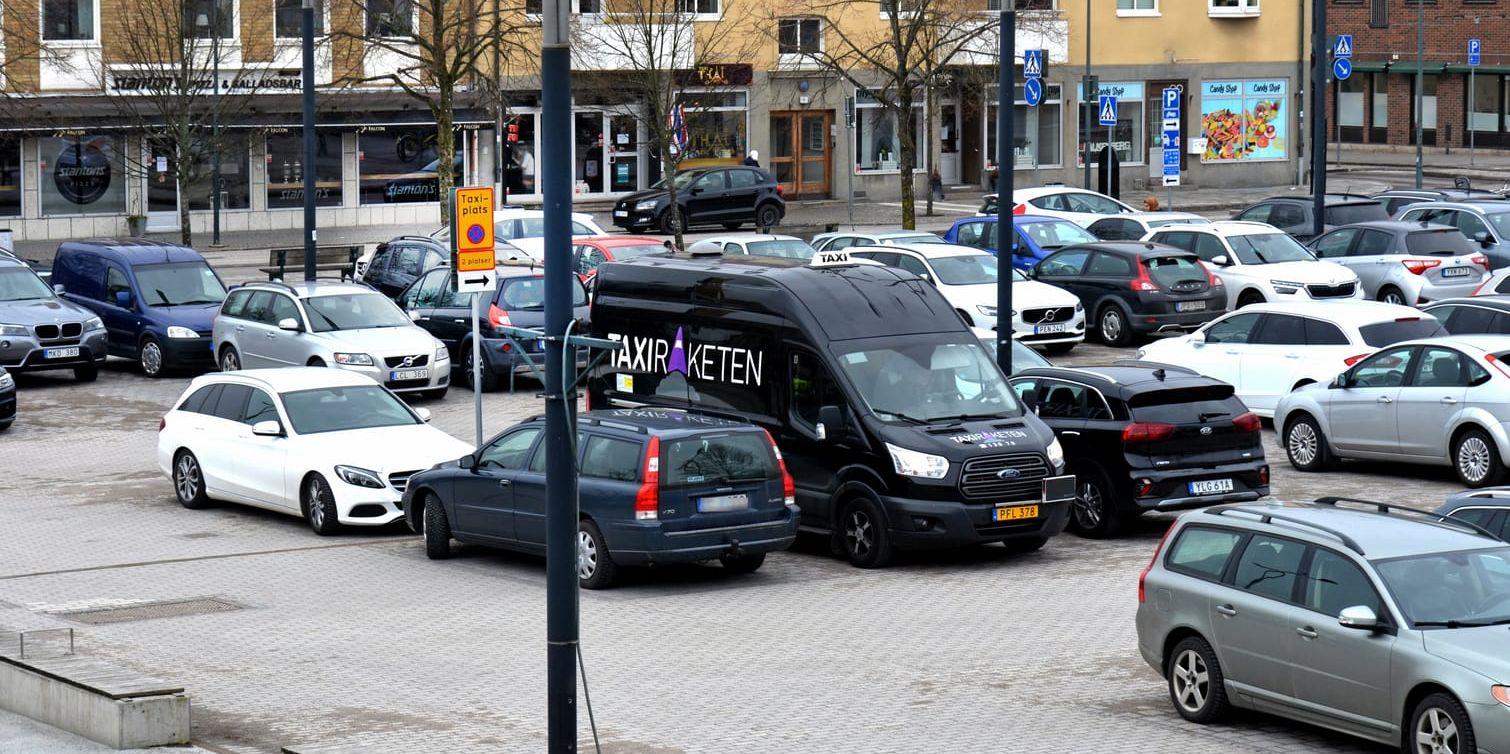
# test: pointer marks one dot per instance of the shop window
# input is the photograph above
(1428, 101)
(1042, 150)
(717, 128)
(69, 20)
(1485, 113)
(879, 137)
(82, 175)
(206, 19)
(519, 154)
(235, 185)
(288, 21)
(1350, 98)
(1378, 14)
(285, 169)
(1244, 120)
(390, 18)
(398, 165)
(1379, 115)
(1127, 137)
(10, 176)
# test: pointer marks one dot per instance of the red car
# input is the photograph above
(589, 252)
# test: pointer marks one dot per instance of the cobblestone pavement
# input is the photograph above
(359, 643)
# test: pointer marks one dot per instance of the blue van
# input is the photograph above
(1036, 236)
(158, 300)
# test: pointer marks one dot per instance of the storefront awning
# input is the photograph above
(333, 110)
(1404, 66)
(1483, 69)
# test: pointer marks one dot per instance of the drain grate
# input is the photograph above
(150, 610)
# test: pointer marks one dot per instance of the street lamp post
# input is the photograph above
(215, 123)
(1420, 82)
(307, 22)
(1316, 113)
(1006, 163)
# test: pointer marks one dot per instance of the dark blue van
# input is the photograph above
(158, 300)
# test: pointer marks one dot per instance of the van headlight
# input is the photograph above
(181, 332)
(360, 477)
(918, 464)
(93, 323)
(1055, 452)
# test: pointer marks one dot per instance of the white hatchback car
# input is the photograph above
(1267, 350)
(1077, 205)
(1045, 315)
(329, 445)
(754, 244)
(1133, 227)
(1259, 262)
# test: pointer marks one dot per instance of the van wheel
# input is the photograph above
(437, 530)
(1476, 459)
(151, 357)
(230, 361)
(1196, 685)
(1440, 725)
(1305, 445)
(595, 568)
(862, 532)
(672, 220)
(1096, 513)
(767, 216)
(742, 563)
(1392, 295)
(1115, 331)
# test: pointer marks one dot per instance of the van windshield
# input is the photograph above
(179, 283)
(922, 380)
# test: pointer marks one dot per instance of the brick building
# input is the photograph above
(1377, 104)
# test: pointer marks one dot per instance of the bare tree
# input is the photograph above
(20, 45)
(434, 51)
(668, 62)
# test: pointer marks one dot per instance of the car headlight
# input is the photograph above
(918, 464)
(94, 323)
(989, 311)
(181, 332)
(360, 477)
(1501, 694)
(6, 381)
(14, 331)
(354, 359)
(441, 354)
(647, 205)
(1281, 285)
(1055, 452)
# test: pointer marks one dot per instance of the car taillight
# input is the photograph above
(1019, 209)
(1248, 422)
(1143, 577)
(1498, 364)
(162, 423)
(780, 192)
(647, 502)
(1480, 260)
(1420, 266)
(1351, 360)
(498, 317)
(1211, 279)
(1263, 475)
(1146, 432)
(788, 487)
(1142, 282)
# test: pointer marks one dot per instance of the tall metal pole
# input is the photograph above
(1006, 162)
(1087, 96)
(561, 629)
(307, 21)
(500, 179)
(1317, 113)
(215, 127)
(1420, 83)
(1471, 71)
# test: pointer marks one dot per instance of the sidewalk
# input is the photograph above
(1487, 168)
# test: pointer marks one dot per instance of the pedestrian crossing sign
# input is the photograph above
(1108, 108)
(1344, 48)
(1032, 64)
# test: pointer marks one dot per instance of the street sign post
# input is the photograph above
(1475, 56)
(1342, 69)
(1107, 106)
(1344, 46)
(1033, 64)
(1171, 153)
(473, 262)
(1032, 92)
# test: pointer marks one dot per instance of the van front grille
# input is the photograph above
(992, 478)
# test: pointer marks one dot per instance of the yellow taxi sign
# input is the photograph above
(468, 260)
(472, 222)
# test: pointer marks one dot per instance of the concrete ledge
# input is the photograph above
(101, 702)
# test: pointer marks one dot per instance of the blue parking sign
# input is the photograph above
(1475, 51)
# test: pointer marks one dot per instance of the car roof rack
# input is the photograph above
(1266, 517)
(1435, 519)
(593, 421)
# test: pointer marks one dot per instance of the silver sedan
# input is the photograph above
(1439, 401)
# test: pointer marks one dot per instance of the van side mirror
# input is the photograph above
(123, 299)
(831, 419)
(1360, 617)
(467, 461)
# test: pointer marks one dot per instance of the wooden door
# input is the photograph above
(801, 152)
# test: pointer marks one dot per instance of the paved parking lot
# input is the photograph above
(359, 643)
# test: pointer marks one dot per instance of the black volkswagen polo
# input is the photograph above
(1147, 437)
(727, 196)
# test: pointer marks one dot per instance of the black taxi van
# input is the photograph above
(898, 428)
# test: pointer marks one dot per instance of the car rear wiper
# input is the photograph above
(1209, 415)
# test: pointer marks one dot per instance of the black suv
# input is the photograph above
(729, 197)
(398, 263)
(1136, 289)
(1147, 437)
(1296, 214)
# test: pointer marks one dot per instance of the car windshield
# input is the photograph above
(179, 283)
(928, 379)
(1501, 221)
(1383, 334)
(333, 409)
(1362, 212)
(21, 284)
(353, 311)
(740, 457)
(621, 253)
(966, 269)
(920, 238)
(1269, 248)
(1438, 242)
(779, 248)
(529, 294)
(1052, 234)
(680, 181)
(1451, 589)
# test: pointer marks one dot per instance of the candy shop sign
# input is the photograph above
(1245, 120)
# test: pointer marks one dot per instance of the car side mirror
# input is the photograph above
(57, 289)
(267, 428)
(694, 191)
(1343, 381)
(1483, 238)
(1198, 338)
(1221, 260)
(831, 419)
(290, 324)
(1360, 617)
(467, 461)
(123, 299)
(413, 315)
(423, 413)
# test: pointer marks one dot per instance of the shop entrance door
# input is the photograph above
(949, 143)
(162, 189)
(801, 152)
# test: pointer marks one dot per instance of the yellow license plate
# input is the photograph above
(1016, 513)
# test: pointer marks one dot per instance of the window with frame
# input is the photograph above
(259, 408)
(390, 18)
(1333, 583)
(698, 7)
(1269, 567)
(880, 138)
(799, 36)
(1127, 137)
(115, 282)
(1137, 7)
(207, 19)
(10, 176)
(1202, 552)
(1042, 148)
(69, 20)
(509, 451)
(1235, 329)
(1232, 7)
(812, 388)
(288, 19)
(611, 458)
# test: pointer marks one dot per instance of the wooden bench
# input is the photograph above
(341, 260)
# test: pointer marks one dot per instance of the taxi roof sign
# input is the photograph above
(836, 258)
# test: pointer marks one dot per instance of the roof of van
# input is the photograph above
(847, 302)
(134, 250)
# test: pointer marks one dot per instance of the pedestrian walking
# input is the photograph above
(753, 159)
(936, 185)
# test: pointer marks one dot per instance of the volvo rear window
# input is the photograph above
(720, 459)
(1186, 405)
(1202, 552)
(1388, 333)
(1440, 242)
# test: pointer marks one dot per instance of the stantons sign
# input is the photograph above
(142, 80)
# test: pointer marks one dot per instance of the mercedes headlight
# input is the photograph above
(989, 311)
(6, 381)
(181, 332)
(354, 359)
(93, 323)
(646, 206)
(918, 464)
(1079, 307)
(360, 477)
(14, 331)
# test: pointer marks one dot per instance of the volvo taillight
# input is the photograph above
(1143, 577)
(498, 317)
(1142, 282)
(788, 487)
(647, 502)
